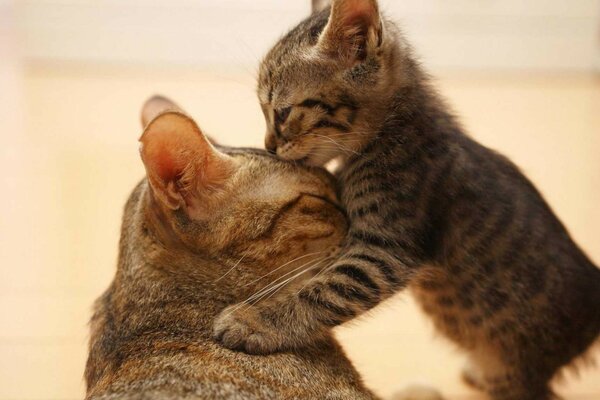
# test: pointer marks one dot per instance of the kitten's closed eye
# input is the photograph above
(314, 130)
(282, 115)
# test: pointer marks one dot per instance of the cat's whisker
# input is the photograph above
(317, 265)
(324, 270)
(281, 284)
(281, 266)
(231, 269)
(276, 281)
(275, 285)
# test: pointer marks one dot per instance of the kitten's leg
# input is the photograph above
(417, 392)
(473, 376)
(361, 278)
(506, 382)
(512, 387)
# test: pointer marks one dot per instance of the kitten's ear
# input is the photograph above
(320, 5)
(155, 105)
(353, 30)
(183, 168)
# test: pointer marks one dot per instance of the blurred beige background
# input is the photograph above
(523, 77)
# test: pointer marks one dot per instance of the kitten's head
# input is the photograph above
(325, 86)
(234, 203)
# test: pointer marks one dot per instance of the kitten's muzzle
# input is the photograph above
(271, 143)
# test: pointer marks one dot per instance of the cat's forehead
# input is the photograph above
(262, 168)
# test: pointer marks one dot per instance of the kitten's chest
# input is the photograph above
(383, 181)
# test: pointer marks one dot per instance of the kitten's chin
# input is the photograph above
(318, 159)
(310, 158)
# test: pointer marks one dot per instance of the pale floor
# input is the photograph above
(69, 160)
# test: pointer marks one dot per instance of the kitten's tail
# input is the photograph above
(417, 392)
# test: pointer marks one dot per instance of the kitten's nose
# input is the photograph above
(271, 144)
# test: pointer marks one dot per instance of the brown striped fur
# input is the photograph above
(430, 209)
(182, 262)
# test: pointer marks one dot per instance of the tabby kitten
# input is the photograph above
(429, 209)
(206, 229)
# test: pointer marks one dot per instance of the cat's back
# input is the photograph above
(174, 368)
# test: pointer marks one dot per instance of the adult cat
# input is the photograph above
(206, 229)
(429, 208)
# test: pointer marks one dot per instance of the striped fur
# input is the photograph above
(430, 209)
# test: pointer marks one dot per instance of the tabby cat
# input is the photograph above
(206, 229)
(429, 208)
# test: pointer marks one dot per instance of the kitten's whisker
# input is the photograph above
(334, 142)
(343, 135)
(324, 146)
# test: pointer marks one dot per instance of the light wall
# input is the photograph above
(458, 34)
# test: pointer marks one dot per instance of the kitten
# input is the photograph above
(429, 209)
(206, 229)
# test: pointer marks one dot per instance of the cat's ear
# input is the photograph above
(158, 104)
(320, 5)
(182, 166)
(155, 105)
(353, 30)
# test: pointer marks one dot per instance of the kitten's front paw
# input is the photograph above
(242, 329)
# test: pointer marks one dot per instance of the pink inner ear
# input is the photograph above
(172, 146)
(180, 163)
(160, 154)
(166, 166)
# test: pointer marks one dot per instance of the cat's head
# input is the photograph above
(227, 203)
(324, 88)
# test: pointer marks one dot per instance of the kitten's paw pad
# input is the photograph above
(242, 329)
